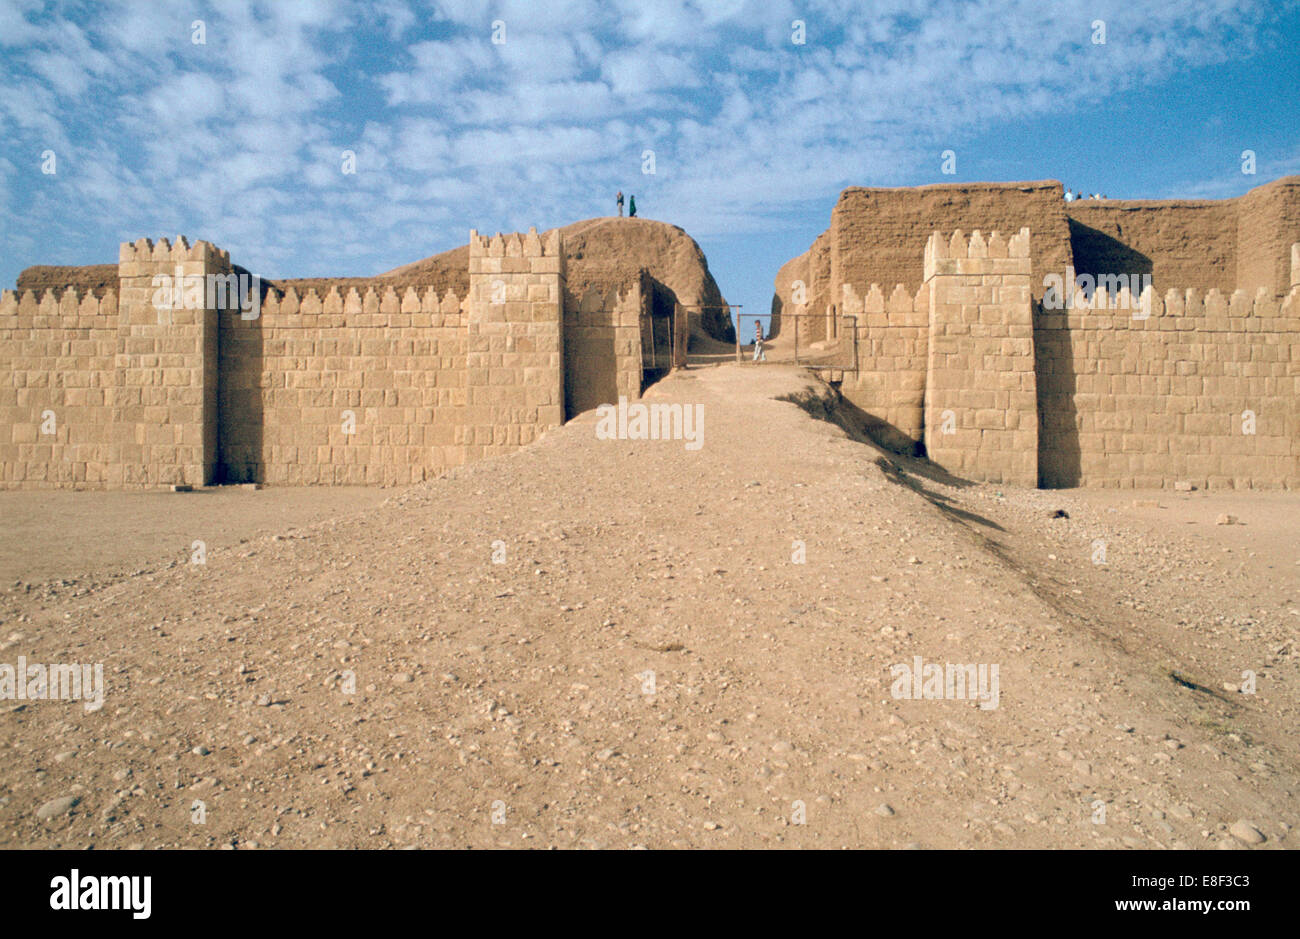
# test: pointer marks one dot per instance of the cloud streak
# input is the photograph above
(241, 138)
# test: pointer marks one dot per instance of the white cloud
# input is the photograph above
(636, 71)
(243, 137)
(439, 68)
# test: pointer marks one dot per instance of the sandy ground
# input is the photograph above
(678, 648)
(52, 535)
(1263, 536)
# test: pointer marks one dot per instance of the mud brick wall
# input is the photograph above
(514, 342)
(58, 353)
(1187, 244)
(980, 363)
(1143, 403)
(877, 234)
(602, 346)
(1204, 245)
(820, 290)
(343, 389)
(813, 270)
(1268, 224)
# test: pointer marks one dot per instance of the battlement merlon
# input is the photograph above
(147, 250)
(957, 254)
(514, 245)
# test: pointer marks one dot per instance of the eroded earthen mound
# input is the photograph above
(877, 236)
(96, 278)
(602, 254)
(607, 254)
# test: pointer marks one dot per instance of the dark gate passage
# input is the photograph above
(698, 347)
(659, 320)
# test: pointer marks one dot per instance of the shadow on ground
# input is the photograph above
(903, 465)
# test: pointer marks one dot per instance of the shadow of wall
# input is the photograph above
(1097, 253)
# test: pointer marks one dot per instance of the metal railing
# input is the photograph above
(810, 340)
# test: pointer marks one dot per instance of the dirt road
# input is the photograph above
(623, 643)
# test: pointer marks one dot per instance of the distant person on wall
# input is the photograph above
(619, 200)
(631, 208)
(759, 354)
(1069, 196)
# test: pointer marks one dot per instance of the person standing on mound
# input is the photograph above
(631, 207)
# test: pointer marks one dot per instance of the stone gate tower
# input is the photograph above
(981, 402)
(514, 343)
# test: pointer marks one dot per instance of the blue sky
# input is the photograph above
(240, 139)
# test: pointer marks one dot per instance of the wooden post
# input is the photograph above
(672, 332)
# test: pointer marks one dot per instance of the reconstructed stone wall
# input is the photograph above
(1193, 387)
(602, 346)
(514, 342)
(892, 354)
(981, 404)
(326, 384)
(344, 389)
(1205, 389)
(58, 356)
(164, 422)
(132, 385)
(1116, 406)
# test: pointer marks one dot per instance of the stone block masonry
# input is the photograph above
(164, 417)
(58, 357)
(1201, 388)
(514, 342)
(371, 386)
(892, 348)
(355, 388)
(363, 383)
(602, 345)
(1180, 386)
(111, 391)
(981, 403)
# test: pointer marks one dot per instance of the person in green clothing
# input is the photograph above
(631, 207)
